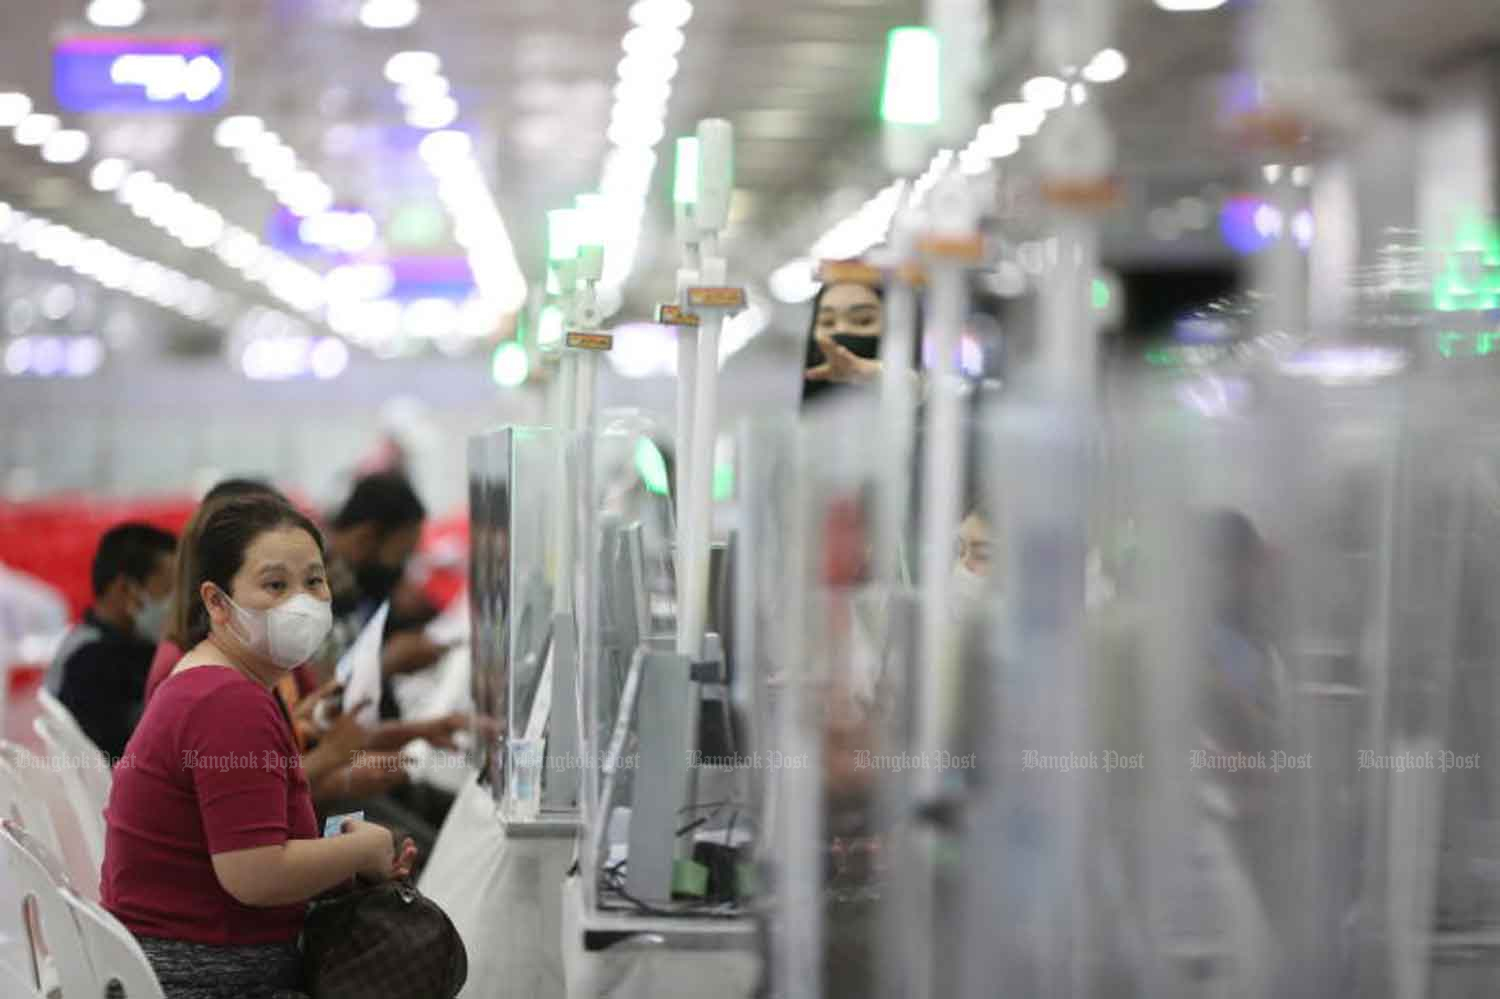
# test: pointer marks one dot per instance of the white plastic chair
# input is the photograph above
(37, 877)
(13, 983)
(28, 795)
(113, 952)
(93, 766)
(22, 800)
(84, 807)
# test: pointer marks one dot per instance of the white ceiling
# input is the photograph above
(800, 79)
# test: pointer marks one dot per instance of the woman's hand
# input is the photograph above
(307, 708)
(440, 731)
(841, 365)
(377, 848)
(373, 774)
(346, 736)
(406, 859)
(410, 652)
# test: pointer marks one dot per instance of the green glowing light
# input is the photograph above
(685, 180)
(723, 482)
(651, 467)
(912, 94)
(1468, 275)
(1101, 294)
(1160, 357)
(510, 365)
(1455, 343)
(1477, 234)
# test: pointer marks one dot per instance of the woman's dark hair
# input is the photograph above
(219, 547)
(183, 592)
(241, 487)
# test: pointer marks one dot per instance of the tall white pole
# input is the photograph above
(715, 184)
(898, 389)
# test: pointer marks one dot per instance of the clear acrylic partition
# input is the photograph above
(669, 820)
(1213, 695)
(1466, 941)
(515, 528)
(771, 583)
(1369, 516)
(835, 654)
(1279, 649)
(1043, 891)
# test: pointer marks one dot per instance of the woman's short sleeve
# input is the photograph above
(242, 762)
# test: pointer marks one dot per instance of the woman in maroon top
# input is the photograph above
(212, 849)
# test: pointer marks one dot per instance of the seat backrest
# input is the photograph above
(21, 799)
(30, 792)
(36, 875)
(14, 983)
(92, 764)
(113, 952)
(86, 810)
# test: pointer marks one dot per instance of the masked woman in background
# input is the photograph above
(848, 319)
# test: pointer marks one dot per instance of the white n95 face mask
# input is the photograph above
(287, 634)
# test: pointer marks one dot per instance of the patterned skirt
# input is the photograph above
(204, 971)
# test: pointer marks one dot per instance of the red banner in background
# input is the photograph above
(54, 541)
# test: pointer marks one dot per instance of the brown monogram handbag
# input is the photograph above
(386, 941)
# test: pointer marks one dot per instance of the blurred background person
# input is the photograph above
(372, 539)
(101, 668)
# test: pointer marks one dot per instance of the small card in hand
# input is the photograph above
(334, 824)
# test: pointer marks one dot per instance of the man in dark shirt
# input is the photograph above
(100, 670)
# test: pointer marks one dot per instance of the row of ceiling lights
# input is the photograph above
(199, 227)
(297, 187)
(422, 89)
(111, 267)
(192, 223)
(449, 156)
(999, 138)
(637, 126)
(54, 143)
(275, 164)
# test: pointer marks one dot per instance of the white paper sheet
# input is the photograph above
(359, 669)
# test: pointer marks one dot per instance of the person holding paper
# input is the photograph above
(373, 537)
(212, 848)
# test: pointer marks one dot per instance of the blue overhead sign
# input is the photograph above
(128, 74)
